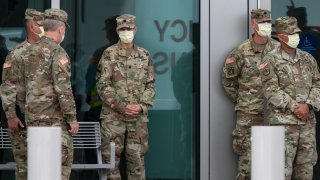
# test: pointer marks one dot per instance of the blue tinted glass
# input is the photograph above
(170, 31)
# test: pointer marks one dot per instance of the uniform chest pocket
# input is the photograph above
(249, 67)
(249, 70)
(284, 78)
(306, 69)
(135, 63)
(137, 68)
(117, 72)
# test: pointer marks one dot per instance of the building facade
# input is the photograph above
(192, 120)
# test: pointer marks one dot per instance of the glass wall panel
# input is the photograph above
(11, 34)
(169, 30)
(12, 19)
(307, 14)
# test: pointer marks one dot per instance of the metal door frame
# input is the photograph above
(204, 89)
(55, 4)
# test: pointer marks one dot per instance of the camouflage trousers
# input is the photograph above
(242, 142)
(300, 151)
(131, 137)
(19, 149)
(67, 145)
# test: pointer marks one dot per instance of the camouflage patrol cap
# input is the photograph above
(34, 15)
(126, 20)
(287, 25)
(56, 14)
(261, 15)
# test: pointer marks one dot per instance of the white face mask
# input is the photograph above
(42, 31)
(293, 40)
(62, 38)
(264, 29)
(126, 36)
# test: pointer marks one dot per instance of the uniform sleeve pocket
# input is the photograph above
(231, 70)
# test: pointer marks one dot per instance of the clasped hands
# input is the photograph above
(302, 111)
(132, 110)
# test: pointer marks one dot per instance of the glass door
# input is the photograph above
(12, 18)
(12, 33)
(171, 34)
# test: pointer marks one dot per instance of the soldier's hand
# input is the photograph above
(14, 124)
(74, 128)
(132, 110)
(302, 112)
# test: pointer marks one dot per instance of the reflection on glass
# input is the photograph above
(171, 34)
(310, 35)
(12, 18)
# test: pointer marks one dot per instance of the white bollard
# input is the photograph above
(44, 153)
(267, 153)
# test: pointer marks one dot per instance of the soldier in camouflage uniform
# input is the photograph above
(126, 85)
(242, 83)
(49, 98)
(291, 84)
(12, 94)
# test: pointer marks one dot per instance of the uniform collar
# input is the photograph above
(26, 42)
(258, 48)
(287, 57)
(125, 52)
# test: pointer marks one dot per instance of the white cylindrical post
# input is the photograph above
(44, 153)
(267, 153)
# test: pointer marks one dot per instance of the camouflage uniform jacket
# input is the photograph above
(287, 81)
(12, 92)
(46, 68)
(241, 77)
(125, 77)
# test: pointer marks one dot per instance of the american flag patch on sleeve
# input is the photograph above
(64, 61)
(6, 65)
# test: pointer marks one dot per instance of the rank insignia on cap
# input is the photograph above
(125, 20)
